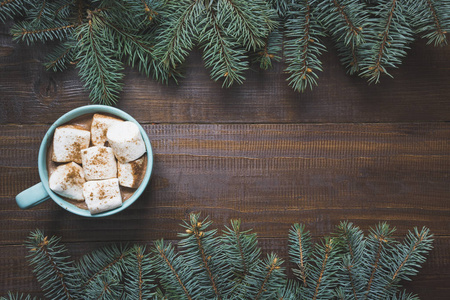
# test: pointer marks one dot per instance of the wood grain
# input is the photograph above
(260, 152)
(270, 176)
(419, 92)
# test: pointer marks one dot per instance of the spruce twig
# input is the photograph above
(156, 36)
(271, 50)
(100, 70)
(30, 35)
(242, 245)
(242, 254)
(346, 265)
(103, 288)
(17, 296)
(105, 264)
(408, 257)
(173, 272)
(139, 280)
(387, 37)
(303, 45)
(300, 250)
(322, 277)
(352, 245)
(53, 268)
(267, 279)
(378, 243)
(221, 53)
(250, 22)
(10, 8)
(404, 296)
(61, 57)
(178, 31)
(345, 21)
(431, 20)
(205, 256)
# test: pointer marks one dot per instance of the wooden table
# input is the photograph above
(260, 152)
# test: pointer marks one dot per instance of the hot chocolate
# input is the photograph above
(84, 123)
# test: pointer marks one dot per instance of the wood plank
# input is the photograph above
(268, 175)
(419, 92)
(16, 275)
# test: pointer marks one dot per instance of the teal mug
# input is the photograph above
(41, 191)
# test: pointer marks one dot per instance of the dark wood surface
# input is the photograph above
(260, 152)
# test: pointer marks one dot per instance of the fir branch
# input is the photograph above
(280, 6)
(99, 69)
(303, 46)
(322, 278)
(378, 242)
(387, 37)
(348, 267)
(273, 265)
(173, 272)
(44, 13)
(61, 57)
(249, 22)
(62, 11)
(350, 57)
(156, 36)
(375, 266)
(17, 296)
(107, 262)
(10, 8)
(431, 20)
(345, 20)
(372, 266)
(408, 257)
(352, 245)
(177, 33)
(137, 50)
(300, 250)
(205, 256)
(403, 296)
(29, 33)
(41, 10)
(221, 53)
(206, 264)
(53, 268)
(241, 253)
(292, 291)
(149, 9)
(139, 280)
(241, 249)
(271, 50)
(103, 288)
(118, 13)
(266, 280)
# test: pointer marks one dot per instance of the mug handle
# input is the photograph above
(32, 196)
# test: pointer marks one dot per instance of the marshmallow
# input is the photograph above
(68, 141)
(99, 127)
(102, 195)
(99, 163)
(130, 173)
(126, 141)
(67, 180)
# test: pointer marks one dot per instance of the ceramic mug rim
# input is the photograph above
(91, 109)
